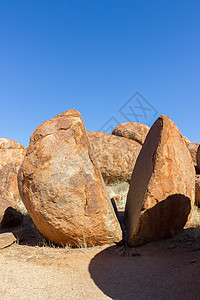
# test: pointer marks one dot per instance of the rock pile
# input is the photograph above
(66, 172)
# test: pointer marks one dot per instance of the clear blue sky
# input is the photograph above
(93, 56)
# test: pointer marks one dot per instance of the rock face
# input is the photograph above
(197, 190)
(115, 156)
(162, 186)
(134, 131)
(11, 158)
(193, 147)
(62, 188)
(198, 157)
(186, 140)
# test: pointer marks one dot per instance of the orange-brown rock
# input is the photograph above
(115, 156)
(6, 239)
(11, 157)
(186, 140)
(193, 147)
(62, 187)
(162, 189)
(198, 157)
(134, 131)
(197, 190)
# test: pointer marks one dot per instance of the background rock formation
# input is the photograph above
(11, 158)
(134, 131)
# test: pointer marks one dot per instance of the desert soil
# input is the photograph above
(166, 269)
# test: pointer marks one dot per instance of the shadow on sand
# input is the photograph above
(164, 270)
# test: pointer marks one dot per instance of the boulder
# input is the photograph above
(197, 190)
(198, 157)
(62, 188)
(193, 147)
(134, 131)
(115, 156)
(11, 157)
(162, 188)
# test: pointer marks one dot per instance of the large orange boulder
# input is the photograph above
(162, 189)
(134, 131)
(62, 188)
(11, 158)
(115, 156)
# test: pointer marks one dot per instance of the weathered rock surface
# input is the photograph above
(115, 156)
(134, 131)
(162, 186)
(193, 147)
(198, 157)
(6, 239)
(11, 157)
(186, 140)
(197, 190)
(62, 187)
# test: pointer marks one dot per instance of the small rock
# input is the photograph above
(6, 239)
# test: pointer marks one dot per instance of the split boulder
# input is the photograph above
(162, 188)
(62, 187)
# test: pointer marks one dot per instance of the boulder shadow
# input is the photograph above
(163, 220)
(164, 270)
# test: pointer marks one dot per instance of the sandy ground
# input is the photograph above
(165, 270)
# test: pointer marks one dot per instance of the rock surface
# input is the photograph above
(198, 157)
(6, 239)
(62, 188)
(162, 186)
(134, 131)
(186, 140)
(197, 190)
(11, 158)
(115, 156)
(193, 147)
